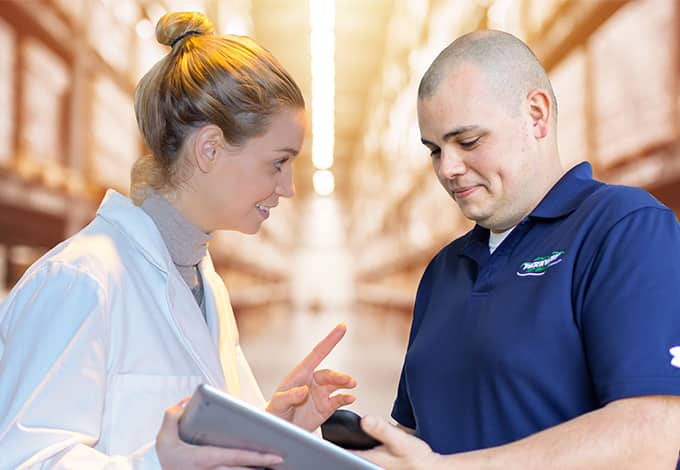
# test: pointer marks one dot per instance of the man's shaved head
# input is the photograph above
(507, 64)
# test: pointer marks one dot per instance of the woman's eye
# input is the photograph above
(469, 143)
(434, 153)
(278, 164)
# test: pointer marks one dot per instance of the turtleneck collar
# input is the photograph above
(186, 243)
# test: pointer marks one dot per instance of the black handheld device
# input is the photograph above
(343, 429)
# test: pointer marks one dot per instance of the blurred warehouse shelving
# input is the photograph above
(67, 133)
(67, 130)
(614, 66)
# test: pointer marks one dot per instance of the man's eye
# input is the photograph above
(434, 153)
(469, 143)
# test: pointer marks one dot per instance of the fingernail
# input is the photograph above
(275, 460)
(369, 421)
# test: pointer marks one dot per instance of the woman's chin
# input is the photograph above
(249, 230)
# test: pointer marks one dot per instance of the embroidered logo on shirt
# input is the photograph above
(540, 265)
(675, 352)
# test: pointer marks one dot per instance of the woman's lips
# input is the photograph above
(263, 211)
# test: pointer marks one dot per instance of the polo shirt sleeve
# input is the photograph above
(630, 309)
(402, 412)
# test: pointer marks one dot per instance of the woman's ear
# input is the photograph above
(207, 142)
(540, 112)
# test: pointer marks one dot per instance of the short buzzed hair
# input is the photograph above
(508, 64)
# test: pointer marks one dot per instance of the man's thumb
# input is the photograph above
(391, 437)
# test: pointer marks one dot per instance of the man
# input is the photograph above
(549, 335)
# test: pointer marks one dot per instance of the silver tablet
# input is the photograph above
(213, 417)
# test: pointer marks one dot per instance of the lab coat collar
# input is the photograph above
(183, 313)
(138, 226)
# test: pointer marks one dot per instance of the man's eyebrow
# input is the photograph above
(453, 133)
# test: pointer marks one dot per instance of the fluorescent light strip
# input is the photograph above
(324, 182)
(322, 45)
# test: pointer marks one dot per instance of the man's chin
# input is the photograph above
(475, 216)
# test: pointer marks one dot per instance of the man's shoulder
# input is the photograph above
(611, 203)
(624, 197)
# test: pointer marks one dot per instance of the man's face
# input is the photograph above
(482, 149)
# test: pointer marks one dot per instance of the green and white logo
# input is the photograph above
(540, 265)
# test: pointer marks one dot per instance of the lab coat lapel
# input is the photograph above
(183, 313)
(221, 316)
(192, 330)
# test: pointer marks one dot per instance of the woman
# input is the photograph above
(123, 319)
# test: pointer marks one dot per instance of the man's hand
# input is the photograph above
(400, 450)
(173, 453)
(305, 397)
(630, 433)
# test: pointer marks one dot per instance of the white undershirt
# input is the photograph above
(496, 239)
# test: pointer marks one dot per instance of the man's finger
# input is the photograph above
(395, 440)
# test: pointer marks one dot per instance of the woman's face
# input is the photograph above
(246, 181)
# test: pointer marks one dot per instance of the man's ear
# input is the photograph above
(540, 112)
(207, 142)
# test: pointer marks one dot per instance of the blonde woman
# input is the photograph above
(107, 331)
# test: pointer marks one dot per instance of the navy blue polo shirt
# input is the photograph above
(578, 306)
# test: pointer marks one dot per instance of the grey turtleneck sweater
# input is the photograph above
(186, 243)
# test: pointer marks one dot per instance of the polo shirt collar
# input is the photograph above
(567, 193)
(477, 245)
(561, 200)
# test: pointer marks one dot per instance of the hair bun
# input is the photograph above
(175, 26)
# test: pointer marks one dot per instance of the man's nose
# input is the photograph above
(451, 163)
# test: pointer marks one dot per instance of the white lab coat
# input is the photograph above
(99, 337)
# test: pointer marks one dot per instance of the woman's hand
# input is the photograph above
(304, 396)
(173, 453)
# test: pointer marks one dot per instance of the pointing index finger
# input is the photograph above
(324, 347)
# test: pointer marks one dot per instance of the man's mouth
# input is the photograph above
(463, 192)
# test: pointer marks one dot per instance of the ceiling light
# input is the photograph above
(322, 45)
(324, 182)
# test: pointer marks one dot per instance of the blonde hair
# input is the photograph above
(228, 81)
